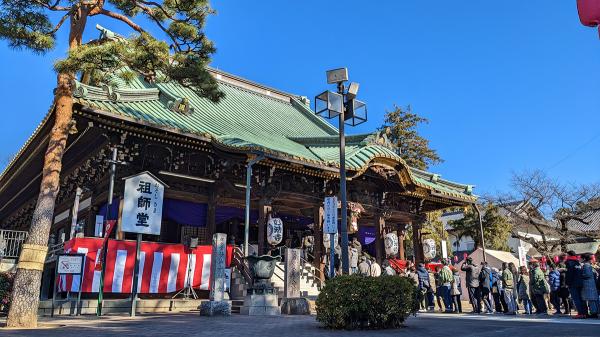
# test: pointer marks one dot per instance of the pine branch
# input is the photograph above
(122, 18)
(53, 7)
(60, 23)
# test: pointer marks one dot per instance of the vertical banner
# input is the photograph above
(330, 216)
(522, 256)
(444, 249)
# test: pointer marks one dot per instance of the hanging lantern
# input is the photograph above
(391, 244)
(589, 12)
(274, 231)
(429, 250)
(356, 210)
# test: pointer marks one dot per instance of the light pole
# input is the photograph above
(480, 230)
(342, 104)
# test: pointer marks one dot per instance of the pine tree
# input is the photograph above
(496, 228)
(403, 134)
(27, 24)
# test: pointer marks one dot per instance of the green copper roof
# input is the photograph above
(248, 119)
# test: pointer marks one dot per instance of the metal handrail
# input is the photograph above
(238, 260)
(316, 271)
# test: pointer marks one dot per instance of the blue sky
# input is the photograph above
(507, 85)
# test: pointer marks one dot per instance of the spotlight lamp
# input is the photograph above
(329, 104)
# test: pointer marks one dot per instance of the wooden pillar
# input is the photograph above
(417, 241)
(318, 243)
(264, 209)
(401, 236)
(211, 212)
(379, 237)
(120, 235)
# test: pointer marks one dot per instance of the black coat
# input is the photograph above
(573, 276)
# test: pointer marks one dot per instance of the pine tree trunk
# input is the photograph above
(25, 296)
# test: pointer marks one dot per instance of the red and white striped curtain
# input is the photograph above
(163, 267)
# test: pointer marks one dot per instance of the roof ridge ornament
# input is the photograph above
(181, 105)
(110, 92)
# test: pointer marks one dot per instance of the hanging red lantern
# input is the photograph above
(589, 12)
(556, 259)
(594, 258)
(465, 256)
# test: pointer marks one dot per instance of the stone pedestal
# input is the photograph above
(261, 305)
(215, 308)
(295, 306)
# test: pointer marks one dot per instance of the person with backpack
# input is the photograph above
(589, 291)
(425, 287)
(485, 284)
(554, 281)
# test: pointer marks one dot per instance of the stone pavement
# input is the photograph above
(191, 324)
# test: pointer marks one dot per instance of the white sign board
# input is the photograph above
(444, 249)
(70, 264)
(142, 204)
(522, 256)
(99, 226)
(330, 216)
(227, 283)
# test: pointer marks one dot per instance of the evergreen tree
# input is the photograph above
(27, 24)
(402, 127)
(496, 228)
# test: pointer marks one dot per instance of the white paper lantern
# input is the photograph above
(274, 231)
(429, 248)
(391, 244)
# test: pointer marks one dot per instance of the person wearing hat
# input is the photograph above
(472, 280)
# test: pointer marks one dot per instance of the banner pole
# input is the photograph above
(136, 270)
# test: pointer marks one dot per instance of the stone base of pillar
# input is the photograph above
(261, 305)
(215, 308)
(295, 306)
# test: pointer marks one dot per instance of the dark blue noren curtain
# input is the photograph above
(185, 212)
(114, 209)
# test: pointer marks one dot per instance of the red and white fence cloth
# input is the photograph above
(163, 267)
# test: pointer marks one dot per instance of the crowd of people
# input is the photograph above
(570, 282)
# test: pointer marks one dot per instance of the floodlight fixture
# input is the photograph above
(352, 90)
(329, 104)
(356, 112)
(335, 76)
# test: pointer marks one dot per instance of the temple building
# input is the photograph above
(200, 150)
